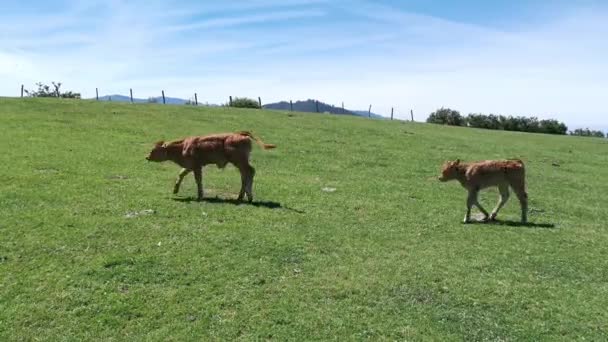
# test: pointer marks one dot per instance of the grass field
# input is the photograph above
(383, 257)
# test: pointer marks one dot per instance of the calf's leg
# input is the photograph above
(198, 176)
(519, 187)
(523, 201)
(249, 187)
(472, 201)
(247, 173)
(180, 177)
(503, 189)
(243, 184)
(483, 211)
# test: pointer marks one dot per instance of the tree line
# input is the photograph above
(588, 133)
(447, 116)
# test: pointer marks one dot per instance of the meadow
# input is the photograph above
(350, 236)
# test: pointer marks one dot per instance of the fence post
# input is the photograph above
(392, 111)
(163, 97)
(260, 102)
(291, 105)
(317, 105)
(131, 91)
(96, 94)
(195, 99)
(369, 112)
(230, 101)
(22, 90)
(412, 113)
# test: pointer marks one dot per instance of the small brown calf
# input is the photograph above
(193, 153)
(479, 175)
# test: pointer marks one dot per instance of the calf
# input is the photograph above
(193, 153)
(479, 175)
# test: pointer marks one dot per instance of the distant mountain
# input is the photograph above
(157, 99)
(310, 106)
(366, 114)
(119, 98)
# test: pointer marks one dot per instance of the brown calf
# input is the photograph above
(479, 175)
(193, 153)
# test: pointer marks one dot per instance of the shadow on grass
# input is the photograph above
(510, 223)
(259, 204)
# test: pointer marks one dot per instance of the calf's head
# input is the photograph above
(449, 170)
(158, 153)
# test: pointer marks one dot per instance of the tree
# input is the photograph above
(45, 90)
(553, 127)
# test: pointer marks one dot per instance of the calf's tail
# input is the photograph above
(257, 140)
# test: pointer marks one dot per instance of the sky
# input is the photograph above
(547, 59)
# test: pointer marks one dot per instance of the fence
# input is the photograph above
(230, 103)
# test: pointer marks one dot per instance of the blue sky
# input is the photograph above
(540, 58)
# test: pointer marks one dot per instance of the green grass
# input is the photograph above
(384, 257)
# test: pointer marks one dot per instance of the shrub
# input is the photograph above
(243, 102)
(446, 116)
(45, 90)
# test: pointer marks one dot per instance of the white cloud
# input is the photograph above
(225, 22)
(368, 54)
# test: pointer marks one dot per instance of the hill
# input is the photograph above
(158, 99)
(351, 235)
(310, 106)
(366, 113)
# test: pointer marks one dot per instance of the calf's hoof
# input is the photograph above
(175, 191)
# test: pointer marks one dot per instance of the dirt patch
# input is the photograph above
(133, 214)
(117, 177)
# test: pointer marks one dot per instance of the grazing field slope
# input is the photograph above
(350, 235)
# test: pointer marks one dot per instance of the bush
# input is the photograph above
(45, 90)
(243, 102)
(446, 116)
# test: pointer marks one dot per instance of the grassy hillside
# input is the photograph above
(384, 256)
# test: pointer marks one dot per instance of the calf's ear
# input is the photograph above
(159, 143)
(457, 162)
